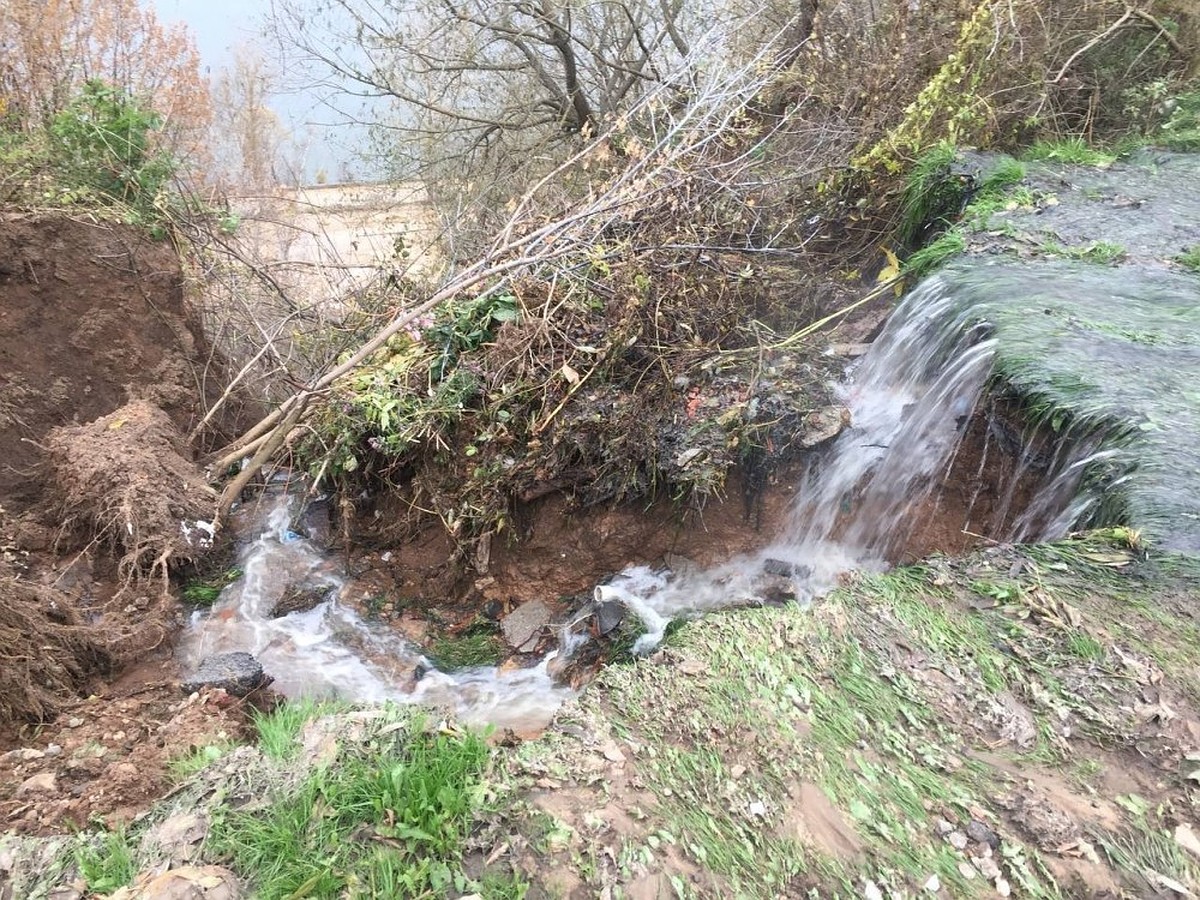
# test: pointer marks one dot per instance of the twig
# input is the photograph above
(1129, 13)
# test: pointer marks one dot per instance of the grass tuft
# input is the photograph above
(932, 195)
(1190, 259)
(204, 591)
(934, 255)
(108, 865)
(1073, 151)
(390, 822)
(478, 645)
(197, 759)
(279, 730)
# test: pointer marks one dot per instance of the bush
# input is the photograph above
(103, 144)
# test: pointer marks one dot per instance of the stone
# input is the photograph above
(609, 616)
(316, 523)
(302, 598)
(41, 783)
(237, 673)
(981, 834)
(523, 626)
(179, 836)
(25, 754)
(823, 425)
(957, 840)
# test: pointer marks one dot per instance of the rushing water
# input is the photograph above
(330, 651)
(909, 398)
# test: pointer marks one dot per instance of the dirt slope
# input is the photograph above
(91, 316)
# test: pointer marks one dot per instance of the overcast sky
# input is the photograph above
(221, 25)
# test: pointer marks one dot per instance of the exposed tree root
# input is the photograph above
(45, 653)
(127, 480)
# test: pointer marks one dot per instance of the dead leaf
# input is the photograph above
(1186, 838)
(570, 374)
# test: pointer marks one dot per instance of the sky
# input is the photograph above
(219, 26)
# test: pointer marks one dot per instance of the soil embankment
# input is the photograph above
(92, 317)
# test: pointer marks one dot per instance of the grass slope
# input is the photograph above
(1012, 722)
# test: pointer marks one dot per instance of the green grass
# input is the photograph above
(1072, 150)
(391, 820)
(204, 591)
(108, 865)
(934, 255)
(1101, 253)
(932, 196)
(198, 759)
(478, 645)
(1190, 259)
(279, 730)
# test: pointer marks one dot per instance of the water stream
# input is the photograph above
(909, 398)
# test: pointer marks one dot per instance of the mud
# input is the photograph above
(91, 316)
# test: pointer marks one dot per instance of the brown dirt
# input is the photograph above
(126, 481)
(101, 370)
(108, 757)
(91, 316)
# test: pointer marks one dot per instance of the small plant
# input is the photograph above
(478, 645)
(108, 866)
(1190, 259)
(1073, 151)
(279, 730)
(204, 591)
(197, 759)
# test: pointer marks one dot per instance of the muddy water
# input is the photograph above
(329, 651)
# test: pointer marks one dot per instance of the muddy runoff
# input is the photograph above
(916, 409)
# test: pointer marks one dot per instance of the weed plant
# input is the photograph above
(392, 822)
(108, 865)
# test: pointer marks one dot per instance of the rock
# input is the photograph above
(609, 616)
(184, 883)
(315, 522)
(25, 754)
(41, 783)
(238, 673)
(523, 626)
(179, 837)
(981, 834)
(778, 567)
(823, 425)
(957, 840)
(302, 598)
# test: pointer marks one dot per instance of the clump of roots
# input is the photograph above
(126, 482)
(46, 653)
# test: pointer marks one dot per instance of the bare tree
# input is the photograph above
(485, 96)
(247, 135)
